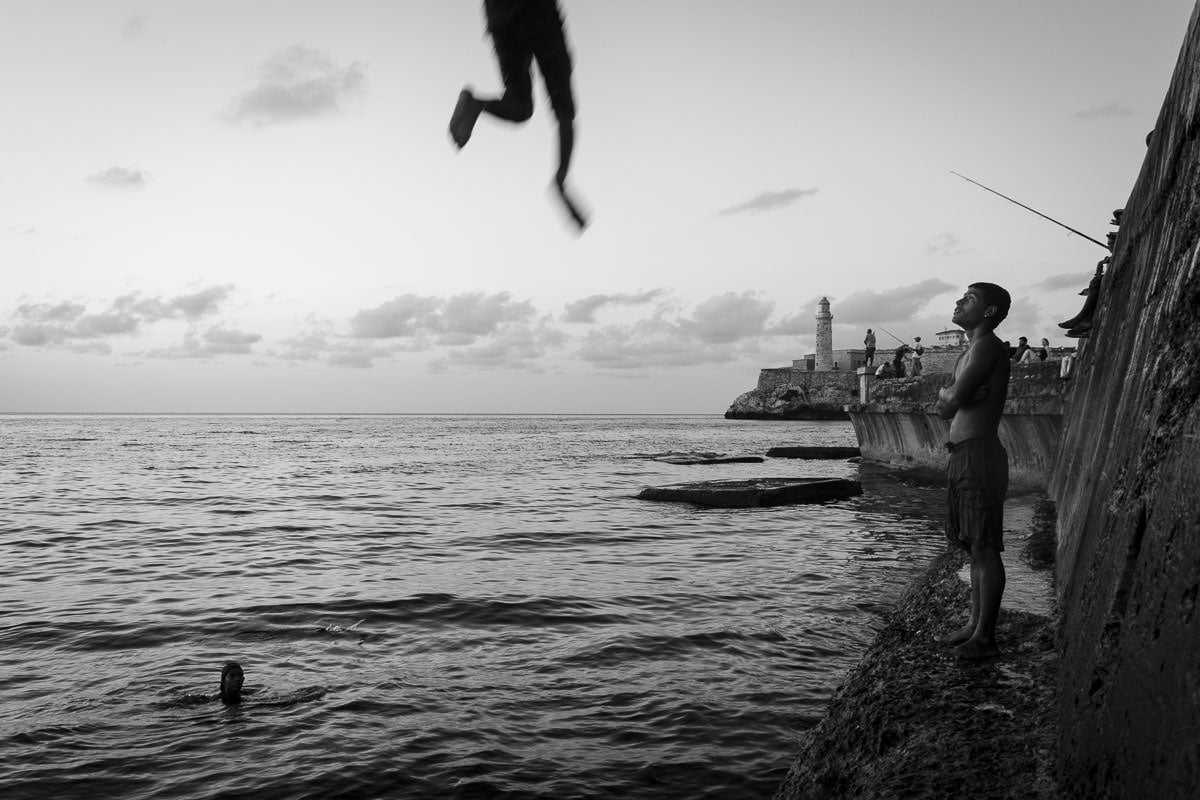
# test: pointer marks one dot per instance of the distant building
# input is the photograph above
(952, 338)
(844, 359)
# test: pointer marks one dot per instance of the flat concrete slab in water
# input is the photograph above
(830, 453)
(757, 492)
(687, 461)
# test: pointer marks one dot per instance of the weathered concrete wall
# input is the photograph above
(899, 426)
(1128, 488)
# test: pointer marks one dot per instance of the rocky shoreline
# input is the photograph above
(910, 721)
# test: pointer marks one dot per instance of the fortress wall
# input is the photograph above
(1127, 487)
(771, 381)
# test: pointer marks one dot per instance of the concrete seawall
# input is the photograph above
(898, 427)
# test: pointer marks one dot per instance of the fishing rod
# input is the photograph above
(1034, 210)
(889, 333)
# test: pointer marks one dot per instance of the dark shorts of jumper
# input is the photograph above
(976, 483)
(524, 30)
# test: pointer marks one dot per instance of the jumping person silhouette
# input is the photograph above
(522, 31)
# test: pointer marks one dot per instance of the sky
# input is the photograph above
(231, 206)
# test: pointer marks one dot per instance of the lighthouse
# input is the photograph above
(824, 355)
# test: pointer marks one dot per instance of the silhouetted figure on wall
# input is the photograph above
(898, 360)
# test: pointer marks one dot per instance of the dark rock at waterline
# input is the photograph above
(791, 393)
(758, 492)
(800, 412)
(688, 460)
(814, 452)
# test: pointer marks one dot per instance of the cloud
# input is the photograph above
(308, 345)
(14, 231)
(405, 316)
(319, 342)
(718, 330)
(477, 329)
(65, 323)
(945, 244)
(798, 324)
(199, 304)
(1113, 108)
(465, 317)
(134, 27)
(43, 324)
(495, 331)
(517, 346)
(584, 310)
(1065, 280)
(296, 84)
(1024, 319)
(457, 320)
(359, 359)
(768, 201)
(867, 307)
(216, 341)
(730, 317)
(119, 178)
(654, 342)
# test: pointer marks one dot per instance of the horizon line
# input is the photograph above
(359, 413)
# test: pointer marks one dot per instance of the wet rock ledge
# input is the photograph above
(912, 722)
(754, 493)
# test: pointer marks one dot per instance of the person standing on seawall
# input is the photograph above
(918, 350)
(977, 472)
(869, 345)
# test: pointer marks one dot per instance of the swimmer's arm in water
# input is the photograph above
(304, 695)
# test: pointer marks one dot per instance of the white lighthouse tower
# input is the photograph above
(824, 355)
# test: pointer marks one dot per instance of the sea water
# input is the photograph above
(488, 608)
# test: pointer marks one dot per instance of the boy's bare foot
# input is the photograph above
(572, 207)
(462, 121)
(975, 650)
(961, 635)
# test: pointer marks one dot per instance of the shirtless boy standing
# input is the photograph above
(977, 475)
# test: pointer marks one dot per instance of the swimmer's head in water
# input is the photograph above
(232, 679)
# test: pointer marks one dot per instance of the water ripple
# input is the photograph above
(483, 608)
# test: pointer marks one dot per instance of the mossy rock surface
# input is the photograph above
(913, 722)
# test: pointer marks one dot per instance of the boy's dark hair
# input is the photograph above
(997, 296)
